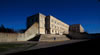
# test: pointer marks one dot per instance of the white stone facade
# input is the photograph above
(56, 26)
(40, 20)
(48, 24)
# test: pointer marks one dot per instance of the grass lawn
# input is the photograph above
(7, 47)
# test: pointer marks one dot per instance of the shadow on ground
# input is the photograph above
(91, 46)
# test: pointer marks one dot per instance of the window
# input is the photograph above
(52, 30)
(55, 22)
(54, 38)
(52, 25)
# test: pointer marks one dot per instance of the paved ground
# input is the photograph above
(13, 47)
(39, 45)
(83, 47)
(52, 44)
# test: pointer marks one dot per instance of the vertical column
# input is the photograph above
(42, 23)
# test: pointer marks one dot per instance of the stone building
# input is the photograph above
(76, 28)
(39, 19)
(48, 24)
(43, 28)
(55, 26)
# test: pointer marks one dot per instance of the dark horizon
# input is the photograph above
(14, 13)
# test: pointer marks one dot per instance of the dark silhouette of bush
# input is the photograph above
(22, 31)
(6, 30)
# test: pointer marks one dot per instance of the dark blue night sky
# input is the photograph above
(13, 13)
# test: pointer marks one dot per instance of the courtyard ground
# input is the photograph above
(11, 47)
(82, 47)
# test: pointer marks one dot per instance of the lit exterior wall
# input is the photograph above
(48, 24)
(38, 18)
(81, 28)
(55, 26)
(42, 23)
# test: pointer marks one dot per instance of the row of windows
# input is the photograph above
(55, 22)
(54, 31)
(57, 27)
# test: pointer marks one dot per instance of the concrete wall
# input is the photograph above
(31, 32)
(8, 37)
(81, 29)
(76, 28)
(40, 19)
(75, 35)
(21, 37)
(41, 24)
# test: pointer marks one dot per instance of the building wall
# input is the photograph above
(81, 29)
(56, 26)
(21, 37)
(40, 19)
(76, 28)
(41, 24)
(11, 37)
(8, 37)
(35, 26)
(32, 31)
